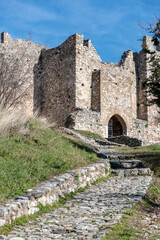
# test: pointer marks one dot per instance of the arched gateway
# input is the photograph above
(116, 126)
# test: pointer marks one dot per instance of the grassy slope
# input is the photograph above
(89, 134)
(131, 226)
(38, 155)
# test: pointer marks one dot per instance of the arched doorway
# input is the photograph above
(116, 126)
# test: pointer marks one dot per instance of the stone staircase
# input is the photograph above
(122, 164)
(126, 168)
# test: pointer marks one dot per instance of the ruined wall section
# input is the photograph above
(87, 61)
(58, 85)
(140, 130)
(154, 115)
(87, 120)
(154, 124)
(141, 93)
(142, 72)
(103, 88)
(18, 67)
(149, 113)
(118, 91)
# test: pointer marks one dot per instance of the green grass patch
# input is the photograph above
(90, 135)
(130, 212)
(122, 232)
(154, 148)
(128, 228)
(100, 180)
(26, 159)
(152, 197)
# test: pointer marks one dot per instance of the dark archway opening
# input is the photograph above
(116, 126)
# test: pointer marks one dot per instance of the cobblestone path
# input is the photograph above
(88, 214)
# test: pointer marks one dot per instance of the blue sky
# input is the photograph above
(112, 25)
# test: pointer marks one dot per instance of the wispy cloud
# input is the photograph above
(28, 12)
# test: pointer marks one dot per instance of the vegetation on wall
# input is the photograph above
(152, 83)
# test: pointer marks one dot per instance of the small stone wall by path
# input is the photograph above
(50, 191)
(96, 144)
(129, 141)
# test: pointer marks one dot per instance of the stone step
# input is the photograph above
(125, 172)
(119, 156)
(107, 143)
(126, 164)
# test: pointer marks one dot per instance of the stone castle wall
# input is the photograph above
(153, 110)
(87, 60)
(116, 89)
(19, 73)
(104, 88)
(86, 120)
(58, 85)
(119, 84)
(146, 112)
(71, 86)
(154, 124)
(140, 130)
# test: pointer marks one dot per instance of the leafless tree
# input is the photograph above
(13, 80)
(20, 68)
(153, 28)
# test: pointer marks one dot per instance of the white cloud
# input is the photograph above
(29, 12)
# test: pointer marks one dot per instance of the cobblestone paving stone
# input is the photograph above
(88, 214)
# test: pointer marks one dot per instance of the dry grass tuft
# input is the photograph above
(13, 121)
(17, 122)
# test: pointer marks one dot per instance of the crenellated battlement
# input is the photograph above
(6, 37)
(148, 44)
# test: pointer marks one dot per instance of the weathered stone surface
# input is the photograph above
(132, 172)
(19, 62)
(126, 164)
(131, 142)
(71, 86)
(3, 211)
(48, 192)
